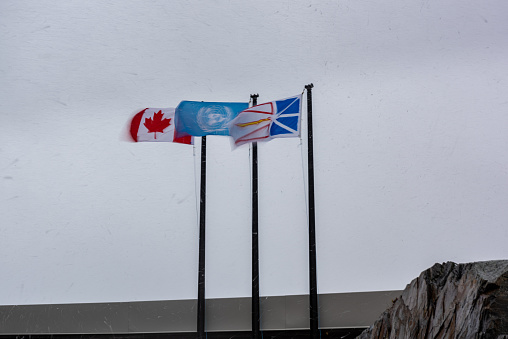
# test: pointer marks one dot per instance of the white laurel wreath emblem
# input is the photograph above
(214, 118)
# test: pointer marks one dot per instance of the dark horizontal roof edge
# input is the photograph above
(187, 299)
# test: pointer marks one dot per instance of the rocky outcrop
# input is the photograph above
(449, 301)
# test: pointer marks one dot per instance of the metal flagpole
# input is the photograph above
(201, 273)
(313, 301)
(255, 248)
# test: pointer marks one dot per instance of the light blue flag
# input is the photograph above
(199, 118)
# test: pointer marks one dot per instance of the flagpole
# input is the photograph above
(313, 300)
(255, 247)
(202, 233)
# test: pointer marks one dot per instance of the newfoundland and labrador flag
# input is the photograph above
(276, 119)
(156, 124)
(200, 118)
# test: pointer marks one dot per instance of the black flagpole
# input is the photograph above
(313, 302)
(201, 273)
(255, 250)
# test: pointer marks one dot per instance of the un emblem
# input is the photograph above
(214, 118)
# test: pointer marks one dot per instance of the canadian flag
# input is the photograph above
(156, 124)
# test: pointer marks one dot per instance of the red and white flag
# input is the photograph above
(156, 124)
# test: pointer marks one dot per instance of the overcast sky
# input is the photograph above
(411, 139)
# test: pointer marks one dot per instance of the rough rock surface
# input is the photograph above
(449, 301)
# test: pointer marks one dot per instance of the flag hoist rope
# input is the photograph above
(196, 191)
(304, 171)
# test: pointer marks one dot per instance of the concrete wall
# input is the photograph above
(229, 314)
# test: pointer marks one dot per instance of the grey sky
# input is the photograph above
(410, 105)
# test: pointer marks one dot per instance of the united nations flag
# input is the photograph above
(199, 118)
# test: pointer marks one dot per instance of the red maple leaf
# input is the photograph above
(157, 124)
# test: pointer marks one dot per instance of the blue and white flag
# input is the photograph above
(199, 118)
(276, 119)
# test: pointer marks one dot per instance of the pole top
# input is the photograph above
(254, 96)
(309, 86)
